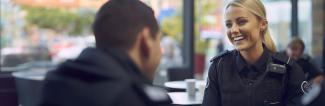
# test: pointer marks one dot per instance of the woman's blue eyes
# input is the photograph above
(228, 25)
(242, 22)
(239, 23)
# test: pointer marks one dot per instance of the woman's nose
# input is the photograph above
(234, 30)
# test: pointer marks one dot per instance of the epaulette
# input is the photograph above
(283, 58)
(223, 53)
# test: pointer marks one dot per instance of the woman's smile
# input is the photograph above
(238, 39)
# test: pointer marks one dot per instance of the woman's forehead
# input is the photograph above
(236, 11)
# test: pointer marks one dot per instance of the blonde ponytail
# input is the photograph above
(268, 42)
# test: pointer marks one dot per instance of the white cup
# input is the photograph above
(190, 87)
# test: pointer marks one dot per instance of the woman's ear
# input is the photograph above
(263, 25)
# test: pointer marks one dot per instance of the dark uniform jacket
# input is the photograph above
(274, 80)
(310, 69)
(100, 78)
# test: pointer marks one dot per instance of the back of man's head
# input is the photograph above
(118, 23)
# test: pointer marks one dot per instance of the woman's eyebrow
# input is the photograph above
(241, 18)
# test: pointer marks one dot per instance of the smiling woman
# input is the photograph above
(249, 20)
(261, 77)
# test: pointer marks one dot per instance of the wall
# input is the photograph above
(318, 29)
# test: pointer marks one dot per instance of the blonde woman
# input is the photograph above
(253, 74)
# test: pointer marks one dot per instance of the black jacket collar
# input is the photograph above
(260, 64)
(113, 63)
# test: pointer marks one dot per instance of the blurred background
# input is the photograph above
(39, 34)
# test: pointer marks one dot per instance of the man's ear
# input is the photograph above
(145, 42)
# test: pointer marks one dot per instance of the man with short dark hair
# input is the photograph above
(119, 71)
(295, 50)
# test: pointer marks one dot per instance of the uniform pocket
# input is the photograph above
(273, 92)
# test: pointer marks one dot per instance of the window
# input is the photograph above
(36, 32)
(279, 18)
(305, 23)
(169, 15)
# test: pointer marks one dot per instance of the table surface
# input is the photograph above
(182, 98)
(182, 84)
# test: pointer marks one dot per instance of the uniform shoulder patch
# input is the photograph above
(283, 58)
(226, 52)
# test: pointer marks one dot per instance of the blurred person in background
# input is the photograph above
(253, 74)
(119, 71)
(295, 50)
(170, 52)
(220, 46)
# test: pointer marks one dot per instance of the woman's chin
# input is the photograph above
(240, 47)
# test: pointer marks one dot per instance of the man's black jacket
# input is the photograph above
(100, 78)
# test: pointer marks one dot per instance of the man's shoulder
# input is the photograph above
(80, 74)
(100, 92)
(305, 57)
(111, 92)
(91, 66)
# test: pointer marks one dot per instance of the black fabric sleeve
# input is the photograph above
(313, 70)
(212, 93)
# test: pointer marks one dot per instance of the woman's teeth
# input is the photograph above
(238, 38)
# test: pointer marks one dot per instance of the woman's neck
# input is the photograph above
(252, 54)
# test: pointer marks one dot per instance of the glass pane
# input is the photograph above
(45, 31)
(56, 30)
(305, 23)
(169, 15)
(210, 38)
(279, 18)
